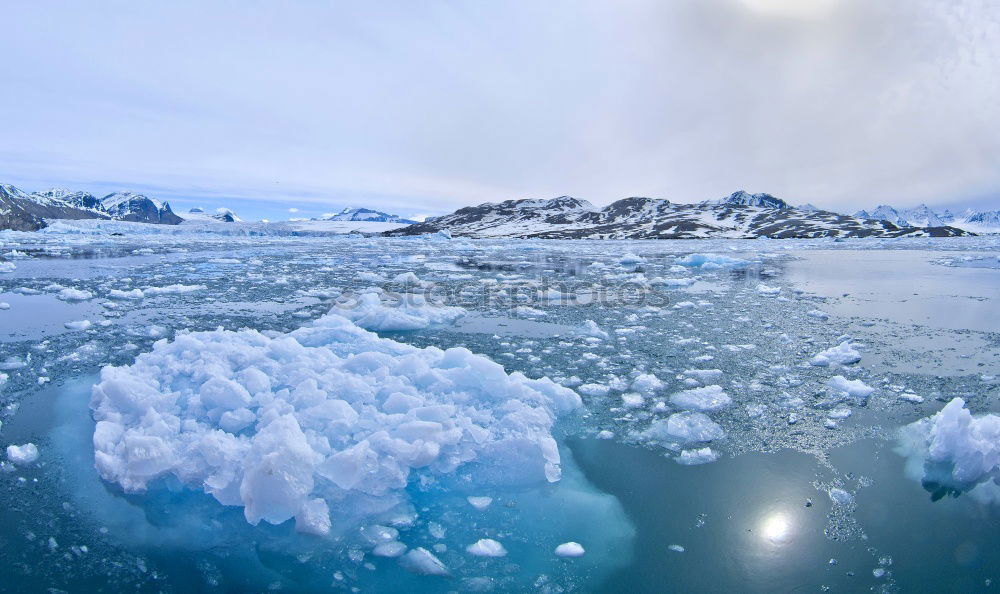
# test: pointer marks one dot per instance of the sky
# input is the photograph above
(419, 108)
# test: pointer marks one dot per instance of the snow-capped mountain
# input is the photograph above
(742, 198)
(22, 211)
(923, 216)
(129, 206)
(221, 215)
(364, 214)
(740, 215)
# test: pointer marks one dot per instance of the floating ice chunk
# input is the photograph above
(842, 354)
(672, 282)
(952, 447)
(590, 328)
(841, 412)
(327, 418)
(855, 388)
(699, 456)
(392, 548)
(570, 549)
(479, 503)
(313, 517)
(686, 427)
(711, 261)
(703, 376)
(78, 325)
(407, 278)
(4, 305)
(632, 400)
(7, 267)
(647, 383)
(768, 291)
(423, 562)
(370, 277)
(552, 294)
(172, 290)
(676, 548)
(119, 294)
(631, 258)
(840, 496)
(907, 396)
(819, 315)
(69, 294)
(685, 305)
(709, 398)
(12, 362)
(593, 390)
(605, 434)
(22, 455)
(486, 547)
(412, 312)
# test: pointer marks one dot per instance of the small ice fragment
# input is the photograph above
(842, 354)
(911, 398)
(768, 291)
(4, 305)
(819, 315)
(840, 496)
(423, 562)
(647, 383)
(69, 294)
(593, 390)
(393, 548)
(698, 456)
(79, 325)
(676, 548)
(486, 547)
(632, 400)
(479, 503)
(22, 455)
(686, 427)
(570, 549)
(855, 388)
(878, 572)
(605, 434)
(709, 398)
(591, 329)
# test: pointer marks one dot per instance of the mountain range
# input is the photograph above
(739, 215)
(22, 211)
(977, 221)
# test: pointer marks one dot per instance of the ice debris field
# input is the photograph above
(429, 414)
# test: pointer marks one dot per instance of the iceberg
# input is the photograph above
(314, 423)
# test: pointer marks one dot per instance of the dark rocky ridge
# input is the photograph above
(741, 215)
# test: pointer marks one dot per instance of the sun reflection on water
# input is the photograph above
(776, 528)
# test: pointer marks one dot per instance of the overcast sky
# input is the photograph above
(423, 107)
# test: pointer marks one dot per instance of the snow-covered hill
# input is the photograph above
(364, 214)
(740, 215)
(221, 215)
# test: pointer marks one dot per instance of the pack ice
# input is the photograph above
(327, 418)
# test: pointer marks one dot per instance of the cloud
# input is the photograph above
(431, 106)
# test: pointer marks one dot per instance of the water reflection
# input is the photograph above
(776, 529)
